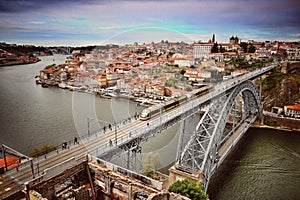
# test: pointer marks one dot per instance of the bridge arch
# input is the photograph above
(201, 151)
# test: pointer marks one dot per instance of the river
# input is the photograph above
(265, 164)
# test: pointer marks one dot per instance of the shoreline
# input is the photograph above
(140, 100)
(16, 64)
(264, 126)
(271, 127)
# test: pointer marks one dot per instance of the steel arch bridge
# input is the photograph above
(222, 125)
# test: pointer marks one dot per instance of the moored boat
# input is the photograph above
(45, 85)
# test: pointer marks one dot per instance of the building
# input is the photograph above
(293, 53)
(263, 52)
(112, 78)
(202, 49)
(234, 40)
(182, 62)
(292, 111)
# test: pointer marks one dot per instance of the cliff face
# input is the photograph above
(282, 87)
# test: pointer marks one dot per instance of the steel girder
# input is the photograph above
(200, 152)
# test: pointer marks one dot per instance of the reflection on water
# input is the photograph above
(264, 165)
(32, 116)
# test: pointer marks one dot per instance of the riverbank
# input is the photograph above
(272, 128)
(19, 62)
(278, 122)
(107, 93)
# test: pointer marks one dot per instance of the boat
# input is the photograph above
(106, 96)
(63, 85)
(45, 85)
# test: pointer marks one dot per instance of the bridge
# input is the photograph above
(227, 111)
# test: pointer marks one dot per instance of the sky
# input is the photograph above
(91, 22)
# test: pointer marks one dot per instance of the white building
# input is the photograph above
(293, 53)
(202, 49)
(263, 52)
(182, 62)
(292, 111)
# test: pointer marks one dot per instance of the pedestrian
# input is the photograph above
(75, 141)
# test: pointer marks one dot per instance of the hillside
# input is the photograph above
(282, 87)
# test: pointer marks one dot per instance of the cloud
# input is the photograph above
(36, 22)
(297, 35)
(93, 20)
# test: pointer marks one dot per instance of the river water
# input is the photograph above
(264, 165)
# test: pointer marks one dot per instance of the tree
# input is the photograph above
(182, 71)
(251, 49)
(50, 66)
(151, 163)
(190, 189)
(244, 46)
(222, 49)
(215, 48)
(171, 82)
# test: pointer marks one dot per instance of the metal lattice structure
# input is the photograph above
(225, 115)
(235, 100)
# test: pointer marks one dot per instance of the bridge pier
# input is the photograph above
(175, 175)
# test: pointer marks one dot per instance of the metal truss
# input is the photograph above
(232, 107)
(131, 156)
(127, 155)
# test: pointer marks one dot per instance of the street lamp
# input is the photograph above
(116, 139)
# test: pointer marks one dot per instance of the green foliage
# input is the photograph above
(171, 82)
(215, 48)
(222, 49)
(182, 71)
(50, 66)
(272, 80)
(169, 68)
(244, 46)
(22, 49)
(251, 49)
(243, 64)
(43, 150)
(189, 189)
(151, 163)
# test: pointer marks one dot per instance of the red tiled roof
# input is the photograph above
(294, 107)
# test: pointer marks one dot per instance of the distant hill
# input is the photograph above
(12, 54)
(19, 50)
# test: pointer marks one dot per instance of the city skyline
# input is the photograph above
(92, 22)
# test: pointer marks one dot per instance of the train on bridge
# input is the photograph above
(152, 111)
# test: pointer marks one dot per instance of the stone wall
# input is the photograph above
(281, 122)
